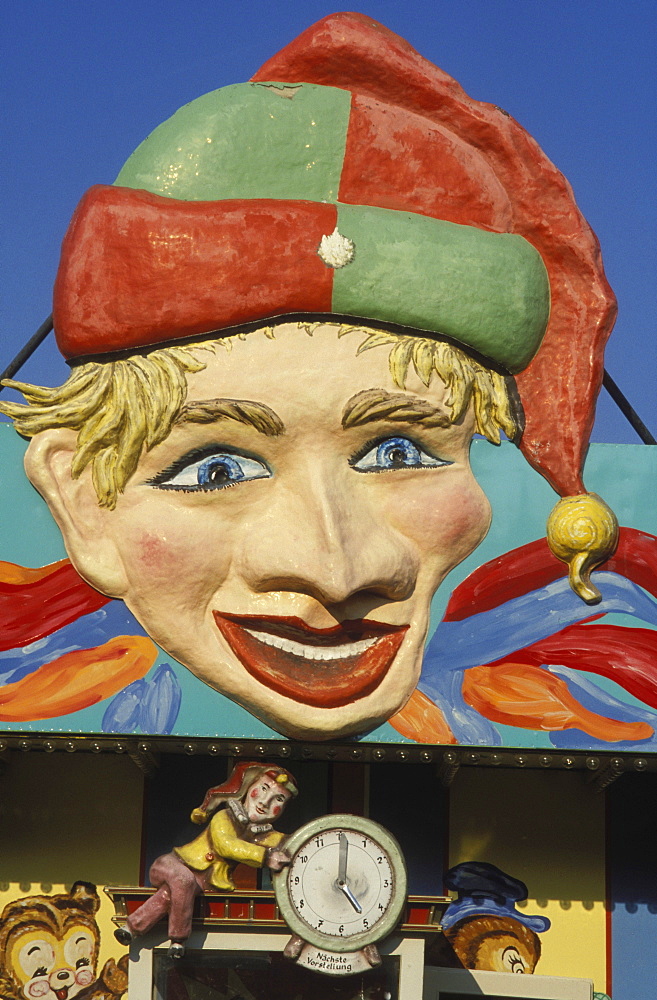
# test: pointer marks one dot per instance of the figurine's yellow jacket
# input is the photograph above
(220, 847)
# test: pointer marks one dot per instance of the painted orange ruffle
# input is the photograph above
(421, 720)
(517, 694)
(17, 575)
(77, 680)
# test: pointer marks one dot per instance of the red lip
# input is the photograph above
(323, 683)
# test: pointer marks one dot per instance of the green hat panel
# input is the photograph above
(488, 291)
(250, 140)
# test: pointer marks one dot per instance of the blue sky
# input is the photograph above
(83, 83)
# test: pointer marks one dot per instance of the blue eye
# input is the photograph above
(214, 471)
(396, 453)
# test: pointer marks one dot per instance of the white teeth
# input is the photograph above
(313, 652)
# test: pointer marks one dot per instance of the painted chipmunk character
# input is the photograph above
(49, 949)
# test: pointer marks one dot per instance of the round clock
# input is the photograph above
(345, 886)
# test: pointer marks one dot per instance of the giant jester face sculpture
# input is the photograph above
(285, 539)
(286, 321)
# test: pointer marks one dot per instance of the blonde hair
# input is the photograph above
(122, 407)
(467, 381)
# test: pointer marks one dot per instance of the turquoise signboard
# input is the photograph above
(513, 659)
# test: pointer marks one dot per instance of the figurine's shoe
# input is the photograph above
(123, 935)
(176, 950)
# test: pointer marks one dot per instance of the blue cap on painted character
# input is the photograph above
(484, 890)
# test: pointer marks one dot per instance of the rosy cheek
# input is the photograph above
(276, 810)
(471, 516)
(254, 793)
(84, 976)
(456, 519)
(39, 988)
(153, 552)
(171, 558)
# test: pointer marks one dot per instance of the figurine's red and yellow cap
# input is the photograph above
(350, 179)
(243, 775)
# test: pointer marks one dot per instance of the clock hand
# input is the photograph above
(342, 873)
(342, 859)
(350, 896)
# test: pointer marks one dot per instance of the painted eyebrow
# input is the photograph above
(377, 404)
(244, 411)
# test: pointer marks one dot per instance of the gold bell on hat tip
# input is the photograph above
(582, 531)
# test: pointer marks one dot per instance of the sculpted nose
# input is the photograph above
(325, 540)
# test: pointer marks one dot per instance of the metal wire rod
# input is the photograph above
(27, 351)
(627, 409)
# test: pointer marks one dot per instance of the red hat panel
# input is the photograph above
(404, 162)
(181, 265)
(559, 388)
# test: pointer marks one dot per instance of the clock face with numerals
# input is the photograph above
(345, 885)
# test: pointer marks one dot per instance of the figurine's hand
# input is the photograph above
(276, 859)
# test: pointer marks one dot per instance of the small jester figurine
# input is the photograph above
(240, 814)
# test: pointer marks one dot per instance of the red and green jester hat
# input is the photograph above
(351, 179)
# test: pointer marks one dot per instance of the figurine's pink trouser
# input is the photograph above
(178, 886)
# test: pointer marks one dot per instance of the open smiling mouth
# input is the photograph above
(323, 667)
